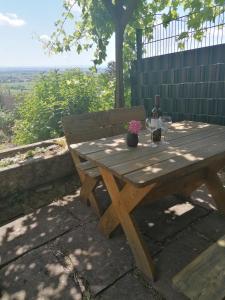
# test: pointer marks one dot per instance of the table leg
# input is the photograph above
(132, 195)
(109, 220)
(216, 189)
(187, 190)
(119, 205)
(88, 185)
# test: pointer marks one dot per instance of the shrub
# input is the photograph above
(6, 123)
(56, 94)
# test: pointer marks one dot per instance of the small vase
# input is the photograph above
(132, 139)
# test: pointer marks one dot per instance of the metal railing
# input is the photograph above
(165, 40)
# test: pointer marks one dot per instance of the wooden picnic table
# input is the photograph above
(195, 153)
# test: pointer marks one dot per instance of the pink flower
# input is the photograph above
(134, 126)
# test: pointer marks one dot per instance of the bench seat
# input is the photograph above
(91, 126)
(204, 277)
(89, 169)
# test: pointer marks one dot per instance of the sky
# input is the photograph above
(21, 22)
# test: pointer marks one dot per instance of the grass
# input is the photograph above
(21, 157)
(37, 152)
(5, 163)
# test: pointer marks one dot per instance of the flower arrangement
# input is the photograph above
(134, 126)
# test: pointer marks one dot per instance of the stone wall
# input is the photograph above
(22, 149)
(35, 182)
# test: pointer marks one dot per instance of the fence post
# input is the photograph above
(139, 59)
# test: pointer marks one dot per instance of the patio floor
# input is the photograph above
(57, 252)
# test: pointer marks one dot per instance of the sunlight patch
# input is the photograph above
(180, 209)
(221, 243)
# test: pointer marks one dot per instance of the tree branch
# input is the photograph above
(111, 8)
(129, 11)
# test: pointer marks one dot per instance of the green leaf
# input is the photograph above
(96, 25)
(70, 16)
(183, 35)
(181, 45)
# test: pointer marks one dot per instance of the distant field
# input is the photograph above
(13, 88)
(12, 83)
(17, 80)
(14, 80)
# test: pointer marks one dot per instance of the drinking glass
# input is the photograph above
(165, 122)
(151, 127)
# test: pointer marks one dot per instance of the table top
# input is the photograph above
(191, 146)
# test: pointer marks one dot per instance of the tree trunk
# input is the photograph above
(119, 97)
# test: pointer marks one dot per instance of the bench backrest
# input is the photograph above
(90, 126)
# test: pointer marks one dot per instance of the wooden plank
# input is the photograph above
(118, 143)
(119, 201)
(156, 157)
(216, 189)
(98, 145)
(87, 133)
(85, 165)
(90, 126)
(109, 220)
(116, 146)
(194, 160)
(88, 185)
(122, 163)
(88, 168)
(96, 154)
(204, 278)
(95, 125)
(84, 177)
(135, 159)
(104, 118)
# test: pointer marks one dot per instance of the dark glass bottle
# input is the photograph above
(155, 115)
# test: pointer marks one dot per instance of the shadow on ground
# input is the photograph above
(57, 252)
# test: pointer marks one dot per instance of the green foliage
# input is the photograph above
(6, 123)
(57, 94)
(101, 18)
(97, 23)
(29, 154)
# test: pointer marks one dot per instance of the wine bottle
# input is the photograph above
(155, 115)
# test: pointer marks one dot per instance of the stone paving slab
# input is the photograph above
(76, 257)
(130, 287)
(37, 276)
(174, 257)
(25, 202)
(166, 217)
(100, 261)
(41, 226)
(10, 208)
(201, 197)
(77, 208)
(103, 196)
(212, 226)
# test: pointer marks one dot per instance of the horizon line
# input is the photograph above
(56, 66)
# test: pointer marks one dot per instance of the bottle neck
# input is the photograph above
(157, 101)
(156, 109)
